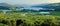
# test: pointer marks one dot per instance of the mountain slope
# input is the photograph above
(6, 6)
(55, 6)
(51, 5)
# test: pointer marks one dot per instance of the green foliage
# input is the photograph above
(12, 19)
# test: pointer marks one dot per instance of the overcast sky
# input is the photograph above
(29, 2)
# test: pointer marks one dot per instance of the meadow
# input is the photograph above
(16, 19)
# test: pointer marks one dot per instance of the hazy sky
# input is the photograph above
(29, 1)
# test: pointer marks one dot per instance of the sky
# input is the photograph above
(29, 2)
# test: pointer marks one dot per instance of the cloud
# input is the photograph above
(29, 1)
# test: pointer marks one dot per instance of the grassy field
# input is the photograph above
(16, 19)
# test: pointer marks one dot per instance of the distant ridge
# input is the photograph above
(6, 6)
(51, 5)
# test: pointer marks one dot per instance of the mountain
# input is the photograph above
(39, 5)
(55, 6)
(6, 6)
(21, 5)
(51, 5)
